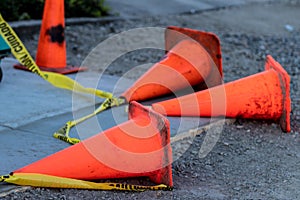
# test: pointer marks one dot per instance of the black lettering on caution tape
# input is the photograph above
(18, 48)
(27, 62)
(63, 130)
(11, 38)
(129, 187)
(63, 138)
(108, 103)
(2, 178)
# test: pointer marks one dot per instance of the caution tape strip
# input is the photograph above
(58, 80)
(41, 180)
(63, 133)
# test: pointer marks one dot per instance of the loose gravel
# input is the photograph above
(251, 160)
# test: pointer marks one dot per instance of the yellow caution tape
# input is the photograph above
(63, 133)
(60, 81)
(41, 180)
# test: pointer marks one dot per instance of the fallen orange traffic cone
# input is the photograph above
(265, 95)
(51, 52)
(138, 147)
(187, 64)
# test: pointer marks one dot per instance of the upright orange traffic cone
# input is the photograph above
(186, 64)
(51, 52)
(265, 95)
(138, 147)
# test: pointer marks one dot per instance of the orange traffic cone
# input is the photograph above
(51, 52)
(265, 95)
(138, 147)
(187, 64)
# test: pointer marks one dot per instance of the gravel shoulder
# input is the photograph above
(252, 159)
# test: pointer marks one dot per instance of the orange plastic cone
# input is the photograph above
(186, 64)
(138, 147)
(265, 95)
(51, 52)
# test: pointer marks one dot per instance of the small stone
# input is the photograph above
(262, 47)
(192, 11)
(226, 143)
(222, 154)
(159, 194)
(289, 28)
(258, 141)
(203, 179)
(208, 167)
(195, 152)
(239, 126)
(62, 197)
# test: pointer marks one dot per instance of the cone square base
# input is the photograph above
(285, 86)
(163, 175)
(208, 40)
(65, 70)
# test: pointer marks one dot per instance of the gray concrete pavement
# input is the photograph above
(25, 97)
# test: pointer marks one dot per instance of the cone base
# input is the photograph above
(163, 175)
(65, 70)
(284, 121)
(208, 40)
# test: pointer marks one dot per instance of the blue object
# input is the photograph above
(4, 48)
